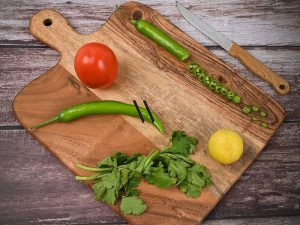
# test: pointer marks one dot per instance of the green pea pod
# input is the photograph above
(102, 107)
(161, 39)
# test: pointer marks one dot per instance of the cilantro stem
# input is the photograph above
(95, 169)
(150, 157)
(92, 177)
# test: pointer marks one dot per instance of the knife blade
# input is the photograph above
(257, 67)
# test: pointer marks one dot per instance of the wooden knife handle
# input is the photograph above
(259, 69)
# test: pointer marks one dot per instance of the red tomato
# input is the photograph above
(96, 65)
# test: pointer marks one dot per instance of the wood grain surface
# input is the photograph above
(144, 67)
(273, 195)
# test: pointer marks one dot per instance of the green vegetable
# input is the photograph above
(230, 95)
(255, 108)
(213, 84)
(264, 125)
(207, 80)
(160, 178)
(102, 107)
(132, 206)
(198, 71)
(118, 176)
(236, 99)
(218, 88)
(247, 110)
(192, 67)
(161, 39)
(182, 144)
(263, 114)
(201, 76)
(224, 90)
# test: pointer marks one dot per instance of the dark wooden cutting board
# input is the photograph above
(146, 72)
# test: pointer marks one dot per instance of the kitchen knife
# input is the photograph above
(257, 67)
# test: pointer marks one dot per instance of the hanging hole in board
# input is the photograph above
(282, 86)
(137, 15)
(47, 22)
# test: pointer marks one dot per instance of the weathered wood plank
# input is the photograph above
(269, 187)
(254, 22)
(18, 66)
(36, 188)
(255, 221)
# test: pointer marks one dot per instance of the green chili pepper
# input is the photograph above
(213, 84)
(264, 125)
(263, 114)
(255, 108)
(161, 39)
(192, 67)
(206, 80)
(102, 107)
(247, 110)
(230, 95)
(201, 76)
(224, 90)
(254, 119)
(198, 71)
(218, 88)
(236, 99)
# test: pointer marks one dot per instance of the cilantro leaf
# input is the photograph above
(160, 178)
(125, 174)
(202, 172)
(132, 205)
(131, 184)
(120, 174)
(107, 188)
(133, 192)
(189, 189)
(113, 161)
(132, 158)
(195, 179)
(182, 144)
(177, 169)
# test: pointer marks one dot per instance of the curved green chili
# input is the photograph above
(161, 39)
(102, 107)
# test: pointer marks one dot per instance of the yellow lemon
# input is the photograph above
(225, 146)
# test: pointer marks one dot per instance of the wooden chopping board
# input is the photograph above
(146, 72)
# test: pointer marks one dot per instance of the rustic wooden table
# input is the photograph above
(36, 189)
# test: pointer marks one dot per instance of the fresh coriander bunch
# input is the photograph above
(118, 176)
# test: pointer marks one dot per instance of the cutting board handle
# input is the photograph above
(50, 27)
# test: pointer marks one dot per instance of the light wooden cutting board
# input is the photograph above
(146, 72)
